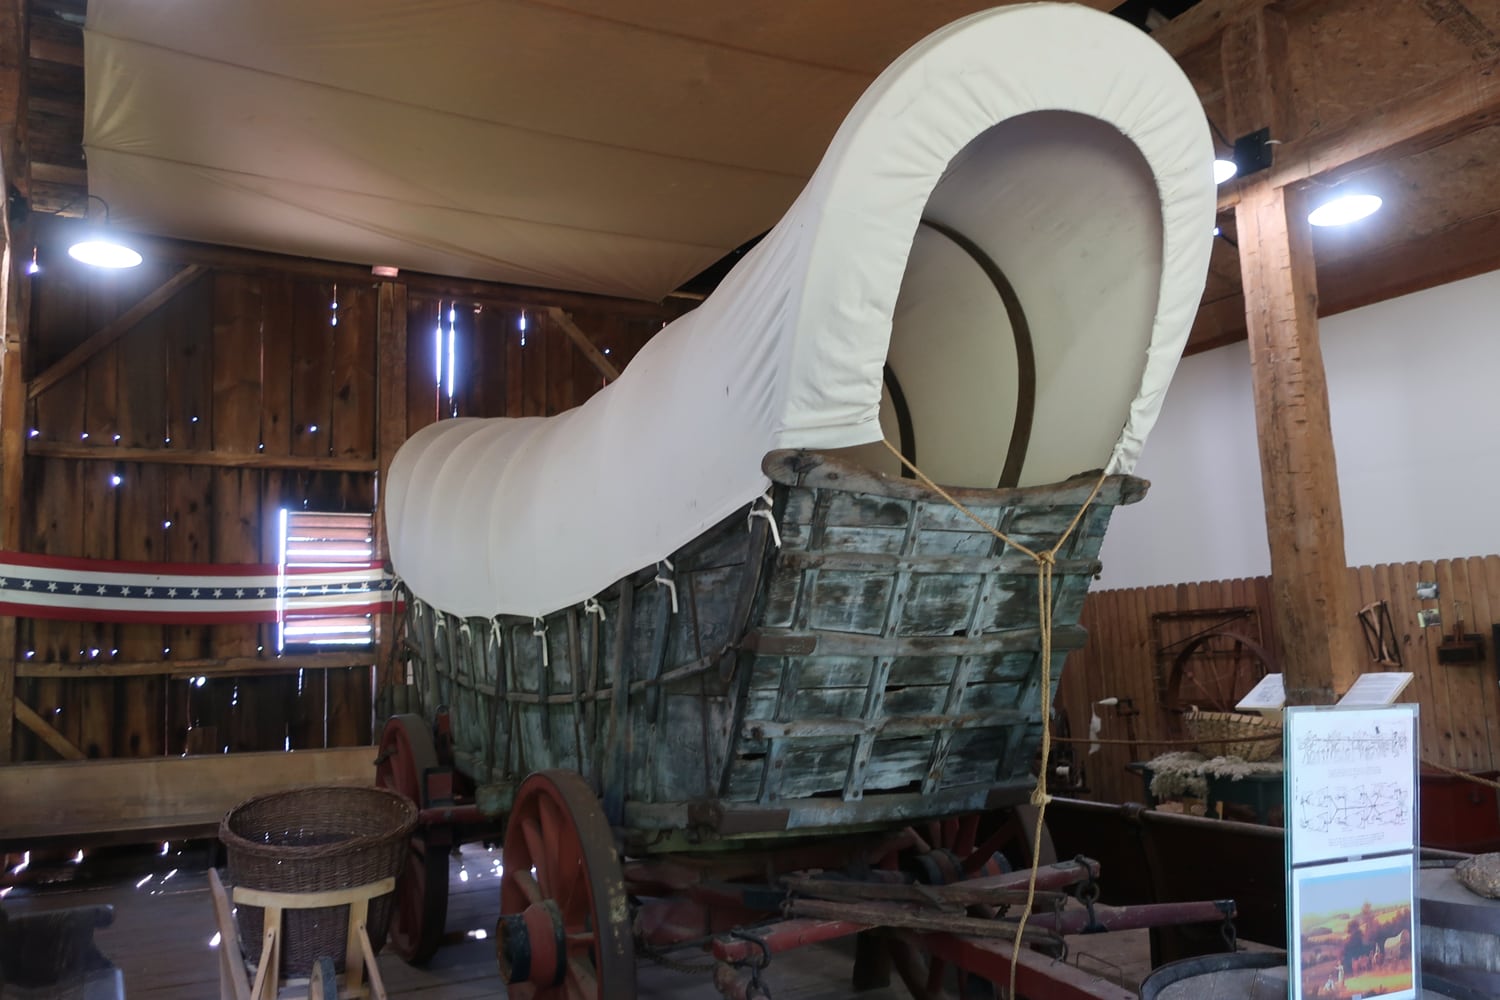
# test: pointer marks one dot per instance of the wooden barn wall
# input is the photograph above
(254, 387)
(1460, 704)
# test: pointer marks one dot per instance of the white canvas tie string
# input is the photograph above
(765, 512)
(668, 581)
(539, 629)
(591, 606)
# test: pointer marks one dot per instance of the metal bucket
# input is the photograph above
(1255, 975)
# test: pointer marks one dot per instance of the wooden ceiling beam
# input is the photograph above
(1452, 254)
(1202, 24)
(1429, 116)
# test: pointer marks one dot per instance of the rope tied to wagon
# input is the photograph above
(765, 512)
(1046, 561)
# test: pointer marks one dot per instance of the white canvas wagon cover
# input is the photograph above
(1011, 227)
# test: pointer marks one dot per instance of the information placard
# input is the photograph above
(1351, 836)
(1353, 925)
(1267, 696)
(1350, 783)
(1375, 690)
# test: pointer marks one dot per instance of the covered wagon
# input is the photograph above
(722, 603)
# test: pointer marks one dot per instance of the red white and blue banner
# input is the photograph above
(103, 590)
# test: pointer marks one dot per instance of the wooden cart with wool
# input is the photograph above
(815, 711)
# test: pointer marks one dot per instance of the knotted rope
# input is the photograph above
(1046, 561)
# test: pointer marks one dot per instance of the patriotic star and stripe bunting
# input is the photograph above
(104, 590)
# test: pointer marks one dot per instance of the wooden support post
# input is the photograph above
(1299, 476)
(15, 305)
(1304, 520)
(390, 433)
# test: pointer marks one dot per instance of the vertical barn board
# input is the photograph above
(61, 412)
(1429, 639)
(59, 314)
(234, 358)
(515, 368)
(59, 322)
(96, 697)
(534, 400)
(101, 401)
(54, 486)
(1466, 691)
(1486, 611)
(141, 717)
(493, 327)
(1477, 679)
(190, 371)
(560, 354)
(236, 539)
(277, 355)
(354, 419)
(142, 383)
(308, 729)
(421, 363)
(188, 540)
(348, 706)
(312, 367)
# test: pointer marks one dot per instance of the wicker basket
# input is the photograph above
(311, 840)
(1247, 733)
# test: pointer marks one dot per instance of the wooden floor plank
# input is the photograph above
(162, 930)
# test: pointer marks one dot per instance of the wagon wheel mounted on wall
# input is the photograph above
(1215, 670)
(420, 909)
(564, 931)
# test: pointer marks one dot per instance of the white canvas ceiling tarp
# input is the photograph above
(611, 146)
(1052, 144)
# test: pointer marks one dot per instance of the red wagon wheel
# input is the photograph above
(564, 930)
(420, 909)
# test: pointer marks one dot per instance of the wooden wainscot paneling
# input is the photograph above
(1460, 702)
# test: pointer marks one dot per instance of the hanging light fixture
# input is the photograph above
(100, 246)
(1345, 207)
(1224, 170)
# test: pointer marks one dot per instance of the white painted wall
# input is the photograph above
(1414, 396)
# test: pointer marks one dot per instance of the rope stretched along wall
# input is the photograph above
(1046, 560)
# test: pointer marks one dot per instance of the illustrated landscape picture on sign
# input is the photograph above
(1354, 925)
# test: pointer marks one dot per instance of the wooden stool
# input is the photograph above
(322, 983)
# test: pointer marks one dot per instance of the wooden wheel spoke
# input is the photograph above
(536, 852)
(582, 982)
(521, 879)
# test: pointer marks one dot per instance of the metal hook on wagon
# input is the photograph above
(669, 582)
(591, 606)
(766, 513)
(539, 629)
